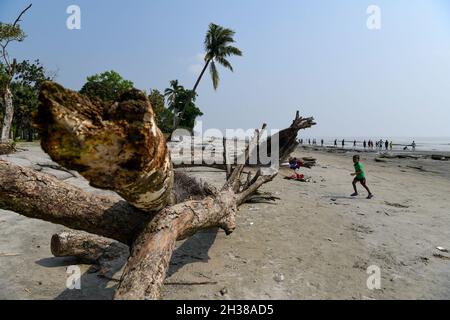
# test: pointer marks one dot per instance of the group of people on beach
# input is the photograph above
(366, 144)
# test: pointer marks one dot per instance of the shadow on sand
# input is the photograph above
(96, 287)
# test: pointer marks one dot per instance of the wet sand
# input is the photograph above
(315, 243)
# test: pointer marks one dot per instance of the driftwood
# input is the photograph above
(286, 140)
(119, 147)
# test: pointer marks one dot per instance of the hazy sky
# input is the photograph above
(316, 56)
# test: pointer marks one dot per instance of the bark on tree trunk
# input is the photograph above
(88, 248)
(39, 196)
(114, 146)
(8, 116)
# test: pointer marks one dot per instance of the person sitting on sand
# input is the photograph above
(360, 177)
(295, 164)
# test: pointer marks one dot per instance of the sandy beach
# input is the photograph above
(315, 243)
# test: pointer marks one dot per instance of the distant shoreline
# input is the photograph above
(417, 152)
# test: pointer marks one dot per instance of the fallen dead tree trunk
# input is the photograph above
(40, 196)
(118, 147)
(88, 248)
(285, 141)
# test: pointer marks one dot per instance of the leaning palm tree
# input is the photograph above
(218, 49)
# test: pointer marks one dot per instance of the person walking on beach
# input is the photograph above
(321, 142)
(386, 144)
(343, 143)
(354, 143)
(335, 142)
(413, 145)
(360, 176)
(365, 144)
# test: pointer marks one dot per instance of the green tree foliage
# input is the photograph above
(107, 86)
(164, 117)
(185, 101)
(10, 32)
(176, 99)
(25, 88)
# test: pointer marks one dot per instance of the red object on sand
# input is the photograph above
(296, 176)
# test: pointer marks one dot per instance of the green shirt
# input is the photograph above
(359, 169)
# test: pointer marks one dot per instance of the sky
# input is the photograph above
(316, 56)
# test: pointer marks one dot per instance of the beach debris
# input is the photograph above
(424, 259)
(440, 256)
(396, 205)
(399, 156)
(9, 254)
(302, 178)
(223, 291)
(439, 157)
(188, 283)
(442, 249)
(27, 290)
(380, 160)
(420, 168)
(279, 277)
(329, 239)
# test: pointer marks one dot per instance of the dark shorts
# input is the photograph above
(362, 180)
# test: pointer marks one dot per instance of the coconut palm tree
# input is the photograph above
(172, 92)
(218, 48)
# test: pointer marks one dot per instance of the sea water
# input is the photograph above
(422, 144)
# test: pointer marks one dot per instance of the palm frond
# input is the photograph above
(224, 63)
(214, 75)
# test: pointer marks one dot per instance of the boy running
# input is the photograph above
(360, 176)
